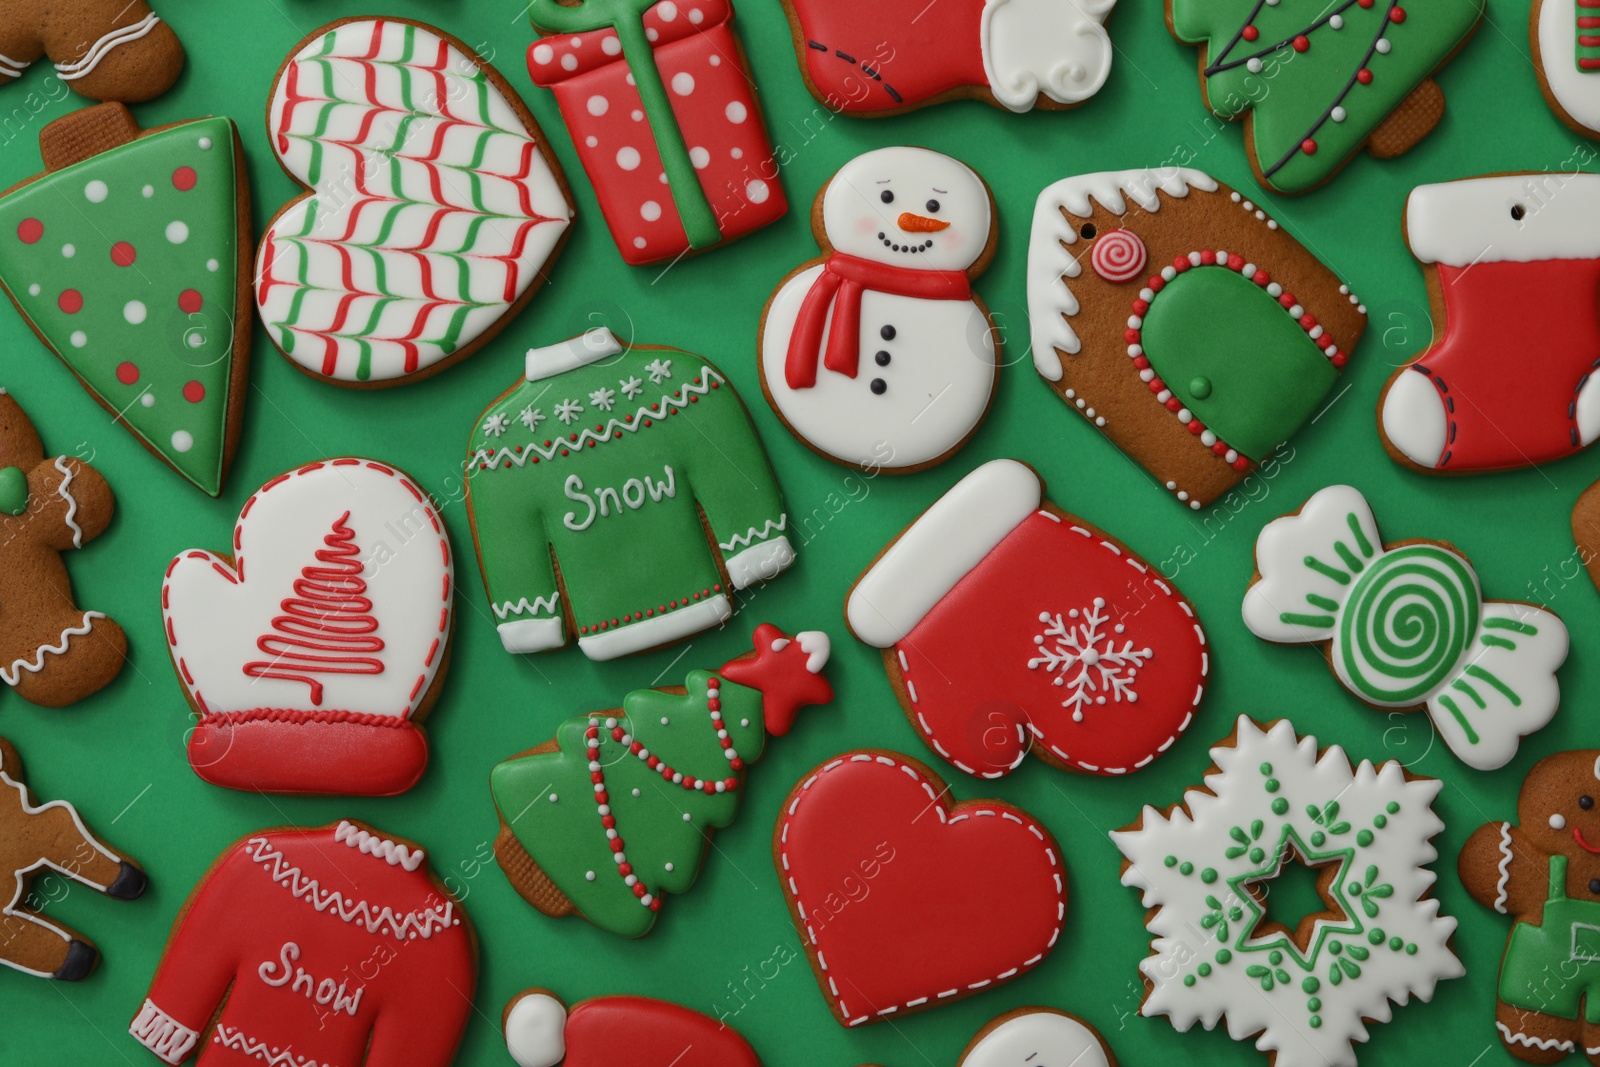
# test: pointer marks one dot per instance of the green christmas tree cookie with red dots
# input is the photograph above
(125, 258)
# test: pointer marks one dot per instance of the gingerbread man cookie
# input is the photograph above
(51, 652)
(34, 837)
(1544, 872)
(103, 49)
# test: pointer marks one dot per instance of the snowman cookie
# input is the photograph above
(1037, 1037)
(879, 354)
(1566, 58)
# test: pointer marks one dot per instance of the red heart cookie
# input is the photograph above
(894, 888)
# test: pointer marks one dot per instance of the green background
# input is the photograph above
(120, 755)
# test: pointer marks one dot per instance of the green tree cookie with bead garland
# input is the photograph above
(617, 810)
(1316, 82)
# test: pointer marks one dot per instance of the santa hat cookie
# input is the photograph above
(311, 653)
(541, 1031)
(1498, 253)
(102, 49)
(887, 57)
(879, 355)
(1009, 626)
(1182, 322)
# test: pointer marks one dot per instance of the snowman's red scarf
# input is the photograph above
(847, 277)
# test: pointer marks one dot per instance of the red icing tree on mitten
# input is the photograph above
(51, 652)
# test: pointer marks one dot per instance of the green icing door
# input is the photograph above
(1233, 356)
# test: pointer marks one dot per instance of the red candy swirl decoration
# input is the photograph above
(1118, 256)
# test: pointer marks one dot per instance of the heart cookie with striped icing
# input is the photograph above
(434, 204)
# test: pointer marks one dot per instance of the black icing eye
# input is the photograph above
(933, 207)
(1088, 231)
(886, 196)
(1586, 803)
(1594, 885)
(1517, 212)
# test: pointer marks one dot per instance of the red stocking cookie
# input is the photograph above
(35, 837)
(312, 652)
(51, 652)
(607, 1031)
(1498, 253)
(1009, 626)
(930, 926)
(334, 941)
(104, 49)
(130, 258)
(434, 206)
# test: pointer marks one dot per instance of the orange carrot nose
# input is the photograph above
(920, 223)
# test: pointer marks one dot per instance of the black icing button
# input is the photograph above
(882, 359)
(880, 386)
(887, 333)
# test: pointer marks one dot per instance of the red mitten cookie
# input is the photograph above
(333, 941)
(51, 837)
(104, 49)
(1182, 322)
(1009, 626)
(905, 899)
(130, 258)
(51, 652)
(609, 1031)
(311, 669)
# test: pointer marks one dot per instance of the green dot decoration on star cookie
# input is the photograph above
(127, 265)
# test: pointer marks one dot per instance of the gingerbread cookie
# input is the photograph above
(541, 1031)
(1201, 336)
(1566, 58)
(1304, 990)
(434, 207)
(1495, 252)
(1586, 531)
(1037, 1037)
(615, 811)
(335, 941)
(130, 258)
(103, 49)
(879, 355)
(52, 653)
(311, 670)
(1544, 872)
(676, 171)
(925, 930)
(887, 58)
(38, 837)
(1009, 626)
(600, 510)
(1349, 75)
(1406, 626)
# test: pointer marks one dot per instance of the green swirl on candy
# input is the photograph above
(1407, 623)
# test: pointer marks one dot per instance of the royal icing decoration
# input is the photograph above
(615, 812)
(888, 57)
(1200, 336)
(310, 653)
(1545, 874)
(1565, 37)
(52, 652)
(433, 209)
(1206, 867)
(1499, 252)
(880, 355)
(128, 54)
(660, 103)
(914, 940)
(294, 941)
(1348, 75)
(607, 1031)
(1037, 1037)
(49, 837)
(127, 265)
(1009, 626)
(623, 491)
(1407, 626)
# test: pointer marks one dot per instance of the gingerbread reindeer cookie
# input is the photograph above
(51, 652)
(103, 49)
(34, 837)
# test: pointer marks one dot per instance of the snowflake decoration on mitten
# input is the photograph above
(531, 417)
(495, 425)
(1084, 656)
(568, 410)
(1205, 867)
(659, 370)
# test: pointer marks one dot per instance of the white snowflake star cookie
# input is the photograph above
(1304, 993)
